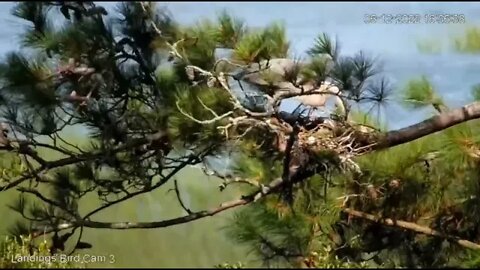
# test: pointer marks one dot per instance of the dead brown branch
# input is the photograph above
(412, 227)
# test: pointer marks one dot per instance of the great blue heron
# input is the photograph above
(272, 73)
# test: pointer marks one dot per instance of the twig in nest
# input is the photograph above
(203, 122)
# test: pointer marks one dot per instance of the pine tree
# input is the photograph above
(154, 96)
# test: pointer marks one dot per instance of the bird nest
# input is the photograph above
(344, 140)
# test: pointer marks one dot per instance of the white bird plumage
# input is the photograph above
(320, 96)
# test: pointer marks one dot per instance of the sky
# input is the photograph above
(394, 45)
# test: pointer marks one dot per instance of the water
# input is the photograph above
(453, 74)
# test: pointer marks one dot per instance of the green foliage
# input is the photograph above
(433, 176)
(231, 30)
(271, 42)
(366, 119)
(259, 227)
(199, 102)
(419, 93)
(317, 69)
(25, 254)
(40, 34)
(325, 46)
(472, 260)
(469, 42)
(201, 52)
(325, 259)
(257, 168)
(138, 25)
(476, 92)
(30, 79)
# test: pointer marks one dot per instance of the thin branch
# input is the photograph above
(288, 168)
(158, 136)
(142, 4)
(203, 122)
(177, 192)
(238, 180)
(69, 144)
(134, 194)
(278, 251)
(46, 200)
(174, 50)
(51, 147)
(412, 227)
(272, 187)
(227, 61)
(206, 107)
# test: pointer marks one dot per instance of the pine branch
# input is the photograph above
(48, 165)
(180, 220)
(411, 226)
(39, 195)
(156, 186)
(301, 175)
(238, 180)
(204, 122)
(137, 57)
(289, 167)
(407, 134)
(430, 126)
(171, 222)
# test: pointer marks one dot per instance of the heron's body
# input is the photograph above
(319, 96)
(276, 69)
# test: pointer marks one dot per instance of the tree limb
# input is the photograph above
(412, 227)
(430, 126)
(47, 200)
(179, 198)
(134, 194)
(244, 200)
(303, 171)
(149, 139)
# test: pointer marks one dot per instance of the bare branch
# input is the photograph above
(227, 61)
(158, 136)
(412, 227)
(430, 126)
(207, 108)
(271, 188)
(228, 181)
(46, 200)
(134, 194)
(203, 122)
(158, 31)
(177, 192)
